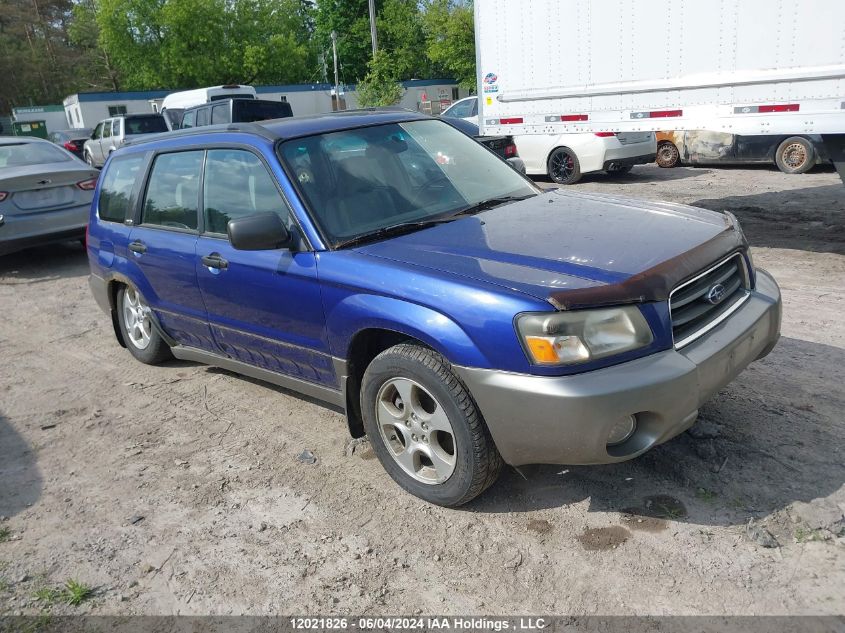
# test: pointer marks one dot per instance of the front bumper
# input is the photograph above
(567, 419)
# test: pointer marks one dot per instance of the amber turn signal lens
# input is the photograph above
(541, 349)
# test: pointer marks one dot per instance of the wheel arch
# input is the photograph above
(363, 326)
(363, 348)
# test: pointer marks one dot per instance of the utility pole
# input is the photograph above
(336, 83)
(373, 26)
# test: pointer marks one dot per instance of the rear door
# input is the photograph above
(163, 244)
(264, 307)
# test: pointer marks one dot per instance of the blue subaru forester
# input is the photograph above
(389, 264)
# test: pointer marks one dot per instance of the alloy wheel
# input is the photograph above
(416, 430)
(136, 317)
(562, 166)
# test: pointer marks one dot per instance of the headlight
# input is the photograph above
(567, 338)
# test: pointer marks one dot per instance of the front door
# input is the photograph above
(163, 246)
(94, 144)
(264, 307)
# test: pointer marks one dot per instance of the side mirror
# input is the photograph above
(259, 232)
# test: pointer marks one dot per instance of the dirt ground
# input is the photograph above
(177, 489)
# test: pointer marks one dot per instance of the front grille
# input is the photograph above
(696, 306)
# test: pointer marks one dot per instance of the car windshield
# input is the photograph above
(145, 125)
(365, 181)
(18, 154)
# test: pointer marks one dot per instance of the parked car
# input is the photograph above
(466, 109)
(72, 140)
(235, 111)
(114, 132)
(502, 146)
(566, 157)
(386, 263)
(45, 193)
(791, 154)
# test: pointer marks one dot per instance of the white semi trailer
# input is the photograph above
(742, 67)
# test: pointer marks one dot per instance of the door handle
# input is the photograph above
(214, 261)
(137, 247)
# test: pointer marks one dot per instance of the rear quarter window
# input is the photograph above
(116, 190)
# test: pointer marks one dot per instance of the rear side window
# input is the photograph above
(202, 117)
(173, 191)
(220, 114)
(237, 184)
(116, 189)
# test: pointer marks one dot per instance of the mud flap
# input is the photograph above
(834, 145)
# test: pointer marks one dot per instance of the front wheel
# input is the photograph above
(425, 428)
(795, 156)
(89, 159)
(136, 324)
(563, 166)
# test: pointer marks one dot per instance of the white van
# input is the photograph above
(175, 103)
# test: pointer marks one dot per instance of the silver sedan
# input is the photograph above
(45, 193)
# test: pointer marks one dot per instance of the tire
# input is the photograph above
(621, 170)
(90, 160)
(563, 166)
(141, 337)
(667, 155)
(447, 469)
(795, 155)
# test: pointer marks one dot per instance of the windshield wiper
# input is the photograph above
(490, 203)
(409, 227)
(388, 231)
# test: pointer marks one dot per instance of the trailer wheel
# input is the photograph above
(563, 166)
(667, 154)
(795, 155)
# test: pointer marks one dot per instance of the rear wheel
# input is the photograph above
(136, 324)
(425, 428)
(667, 154)
(795, 155)
(563, 166)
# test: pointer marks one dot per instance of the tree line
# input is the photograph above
(52, 48)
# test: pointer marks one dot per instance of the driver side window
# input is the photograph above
(236, 185)
(172, 195)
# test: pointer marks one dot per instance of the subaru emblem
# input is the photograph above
(716, 294)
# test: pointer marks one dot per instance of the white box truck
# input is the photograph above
(740, 67)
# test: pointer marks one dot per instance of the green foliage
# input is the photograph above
(191, 43)
(5, 534)
(75, 593)
(47, 595)
(450, 35)
(52, 48)
(350, 19)
(379, 88)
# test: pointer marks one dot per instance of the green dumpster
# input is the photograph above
(30, 128)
